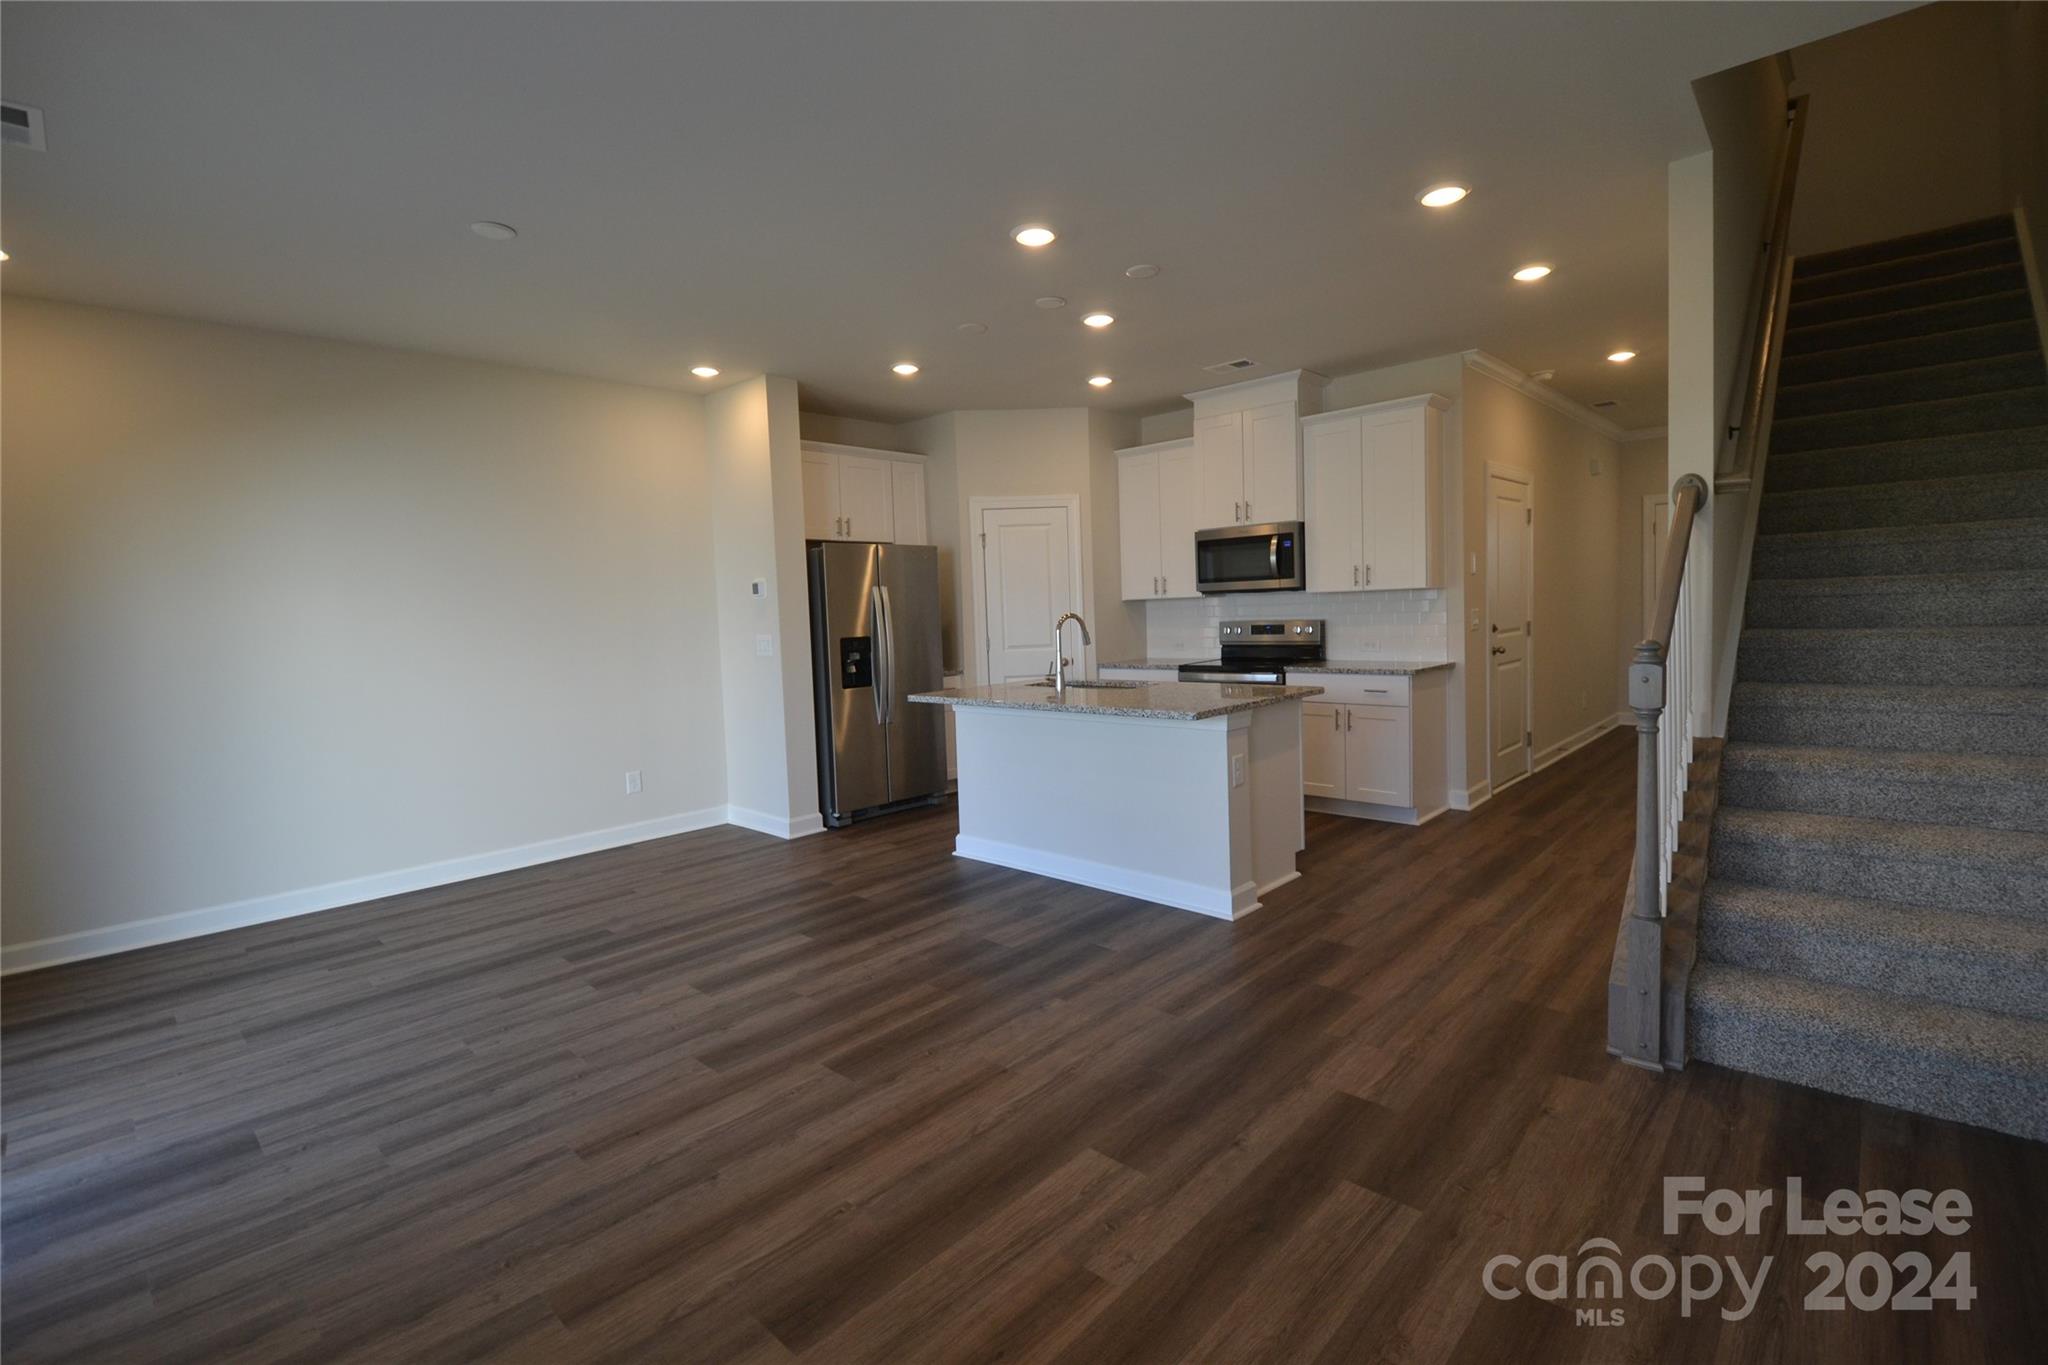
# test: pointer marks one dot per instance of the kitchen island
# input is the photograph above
(1184, 793)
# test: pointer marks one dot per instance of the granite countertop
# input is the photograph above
(1381, 666)
(1151, 701)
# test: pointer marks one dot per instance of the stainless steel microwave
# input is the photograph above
(1264, 558)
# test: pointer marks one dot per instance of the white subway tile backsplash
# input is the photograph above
(1361, 625)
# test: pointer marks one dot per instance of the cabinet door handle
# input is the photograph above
(1240, 510)
(1347, 720)
(1368, 575)
(1354, 575)
(1336, 719)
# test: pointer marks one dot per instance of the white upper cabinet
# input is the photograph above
(1219, 452)
(1158, 491)
(1333, 473)
(1248, 449)
(1272, 463)
(855, 494)
(1374, 491)
(1137, 522)
(906, 485)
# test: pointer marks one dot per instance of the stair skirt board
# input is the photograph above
(1874, 919)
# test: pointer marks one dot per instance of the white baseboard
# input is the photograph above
(1472, 797)
(121, 938)
(1573, 743)
(782, 827)
(1125, 882)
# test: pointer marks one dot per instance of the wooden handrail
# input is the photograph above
(1687, 496)
(1767, 302)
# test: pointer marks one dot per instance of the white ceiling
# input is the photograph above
(821, 190)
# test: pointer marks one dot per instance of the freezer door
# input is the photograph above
(912, 654)
(849, 675)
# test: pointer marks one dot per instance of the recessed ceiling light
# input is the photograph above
(904, 368)
(1142, 272)
(1034, 235)
(1098, 320)
(704, 371)
(1621, 357)
(973, 329)
(1529, 273)
(1051, 301)
(495, 232)
(1101, 381)
(1443, 196)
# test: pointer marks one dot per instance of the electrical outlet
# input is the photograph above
(764, 645)
(1237, 770)
(633, 782)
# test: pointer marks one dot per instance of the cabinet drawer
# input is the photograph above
(1357, 689)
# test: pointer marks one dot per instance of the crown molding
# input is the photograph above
(1493, 367)
(1646, 434)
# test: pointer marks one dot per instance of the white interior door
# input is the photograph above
(1028, 580)
(1219, 450)
(1137, 517)
(1510, 528)
(1180, 516)
(867, 498)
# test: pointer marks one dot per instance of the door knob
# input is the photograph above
(1500, 649)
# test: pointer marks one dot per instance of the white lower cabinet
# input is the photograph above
(1322, 750)
(1373, 745)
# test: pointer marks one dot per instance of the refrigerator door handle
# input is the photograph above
(879, 605)
(889, 648)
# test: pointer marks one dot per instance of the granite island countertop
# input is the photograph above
(1407, 667)
(1149, 701)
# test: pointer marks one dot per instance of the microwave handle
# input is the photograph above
(1273, 555)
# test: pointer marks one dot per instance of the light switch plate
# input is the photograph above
(633, 782)
(1237, 770)
(764, 645)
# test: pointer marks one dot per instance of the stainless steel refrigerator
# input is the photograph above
(874, 641)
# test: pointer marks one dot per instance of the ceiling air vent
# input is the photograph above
(1231, 366)
(21, 126)
(1608, 403)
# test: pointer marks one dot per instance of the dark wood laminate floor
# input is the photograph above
(721, 1098)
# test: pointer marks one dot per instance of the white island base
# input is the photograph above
(1200, 814)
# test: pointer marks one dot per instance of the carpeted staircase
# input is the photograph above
(1875, 920)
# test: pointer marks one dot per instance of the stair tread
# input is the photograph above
(1992, 228)
(1941, 260)
(1892, 355)
(1902, 696)
(1797, 335)
(1933, 483)
(1891, 766)
(1906, 373)
(1940, 530)
(2005, 1042)
(1852, 585)
(1988, 398)
(1883, 923)
(1952, 844)
(1956, 286)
